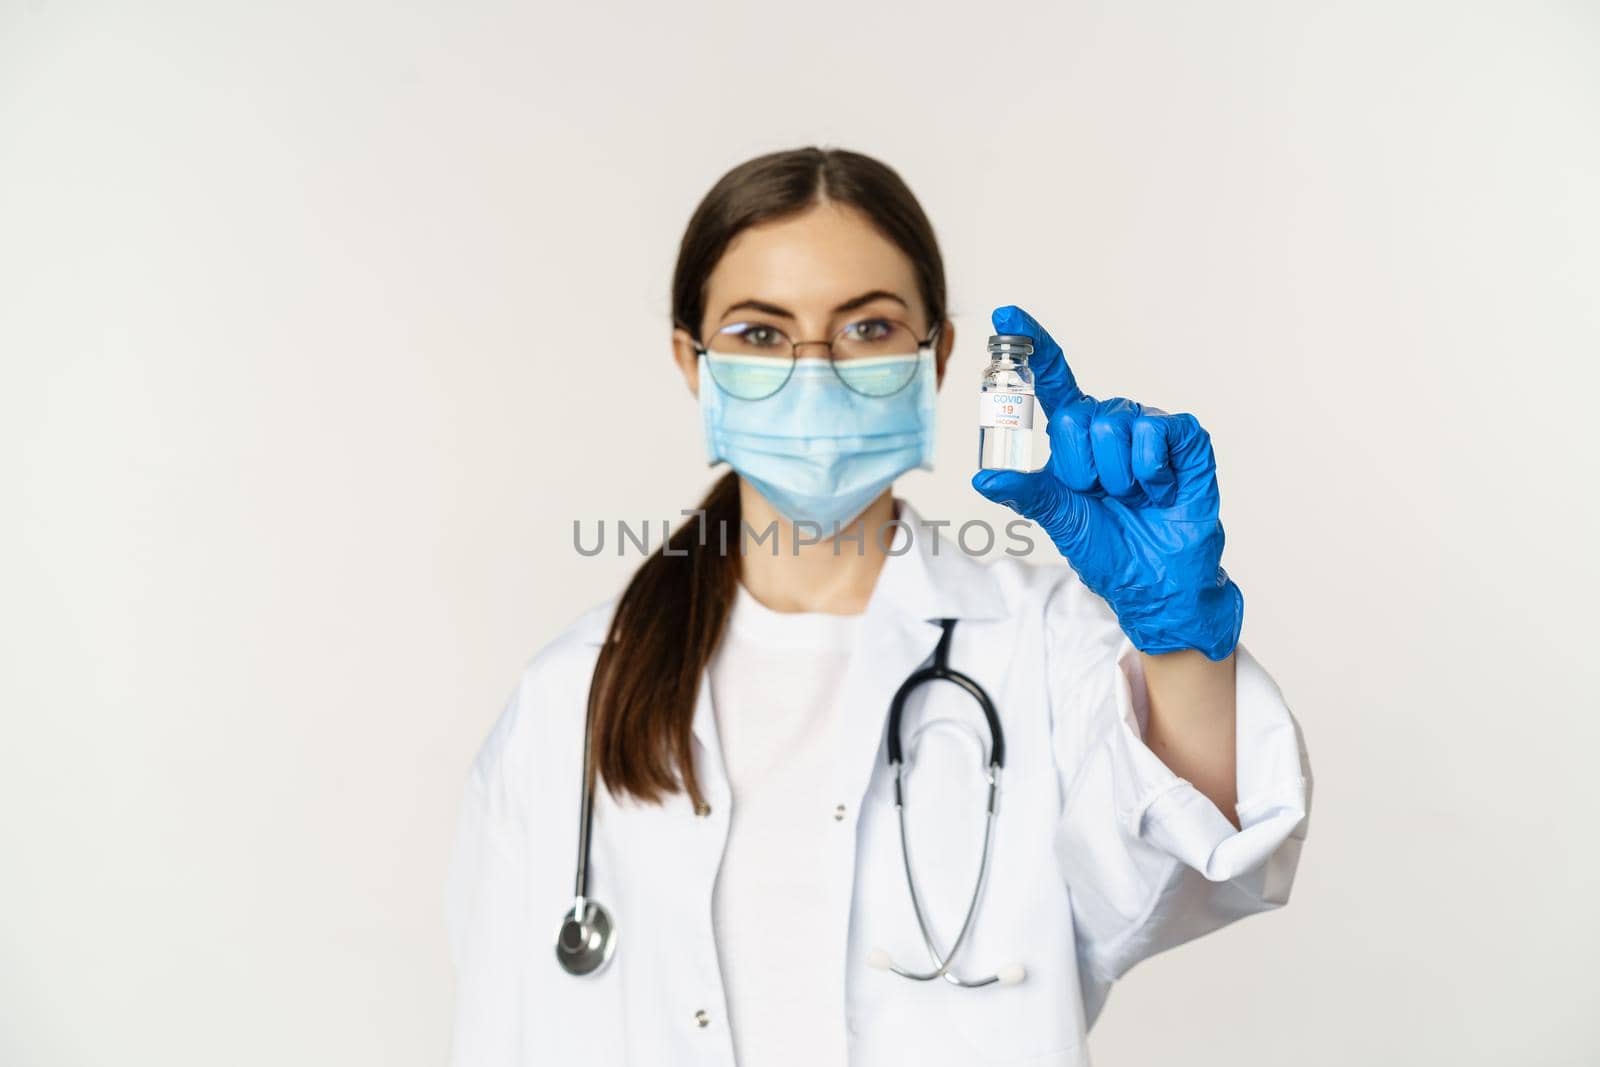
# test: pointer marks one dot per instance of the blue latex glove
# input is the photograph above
(1130, 499)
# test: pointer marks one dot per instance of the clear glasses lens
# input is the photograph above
(873, 357)
(876, 357)
(750, 360)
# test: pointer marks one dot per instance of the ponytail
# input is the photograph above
(665, 628)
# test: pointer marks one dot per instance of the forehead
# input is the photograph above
(810, 263)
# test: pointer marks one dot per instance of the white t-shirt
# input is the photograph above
(774, 679)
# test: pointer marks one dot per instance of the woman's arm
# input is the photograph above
(1191, 722)
(486, 907)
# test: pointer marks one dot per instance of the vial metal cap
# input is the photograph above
(1010, 344)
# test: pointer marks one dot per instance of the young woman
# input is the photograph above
(771, 868)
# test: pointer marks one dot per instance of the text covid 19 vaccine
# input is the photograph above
(1005, 406)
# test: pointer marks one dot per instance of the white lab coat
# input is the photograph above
(1102, 856)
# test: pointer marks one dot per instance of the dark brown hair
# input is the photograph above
(670, 617)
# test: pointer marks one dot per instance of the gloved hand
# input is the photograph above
(1130, 499)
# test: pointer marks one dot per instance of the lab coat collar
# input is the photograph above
(932, 578)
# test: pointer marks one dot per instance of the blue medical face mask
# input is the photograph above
(818, 450)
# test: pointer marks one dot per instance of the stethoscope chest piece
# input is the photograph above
(584, 945)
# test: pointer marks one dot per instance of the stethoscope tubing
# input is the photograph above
(943, 963)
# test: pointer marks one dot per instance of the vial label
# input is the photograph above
(1006, 410)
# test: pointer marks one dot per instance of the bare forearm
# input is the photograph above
(1191, 726)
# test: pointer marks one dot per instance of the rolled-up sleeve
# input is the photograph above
(1150, 861)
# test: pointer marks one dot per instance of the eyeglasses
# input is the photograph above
(873, 357)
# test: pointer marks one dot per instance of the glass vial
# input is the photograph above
(1005, 406)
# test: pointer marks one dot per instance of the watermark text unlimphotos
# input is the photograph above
(896, 537)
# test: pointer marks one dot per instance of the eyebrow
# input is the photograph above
(848, 305)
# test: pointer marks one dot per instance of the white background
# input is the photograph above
(321, 322)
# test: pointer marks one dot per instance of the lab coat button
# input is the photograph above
(702, 809)
(838, 813)
(701, 1019)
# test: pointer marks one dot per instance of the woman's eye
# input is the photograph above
(869, 329)
(761, 336)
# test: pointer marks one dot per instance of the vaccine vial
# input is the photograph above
(1005, 406)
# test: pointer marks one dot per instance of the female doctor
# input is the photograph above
(769, 871)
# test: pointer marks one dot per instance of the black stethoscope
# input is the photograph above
(588, 937)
